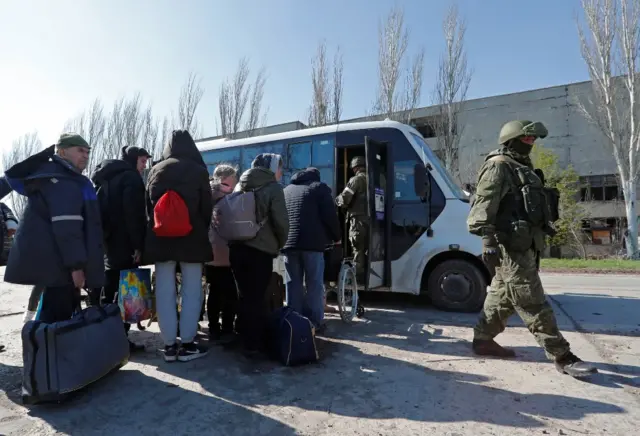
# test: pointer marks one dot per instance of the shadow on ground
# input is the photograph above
(593, 313)
(351, 383)
(225, 394)
(410, 326)
(130, 402)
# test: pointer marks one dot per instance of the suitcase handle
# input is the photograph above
(103, 313)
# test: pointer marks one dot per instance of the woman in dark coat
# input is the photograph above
(184, 172)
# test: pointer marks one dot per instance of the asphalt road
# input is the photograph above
(598, 304)
(405, 369)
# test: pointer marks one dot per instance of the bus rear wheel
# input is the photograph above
(457, 285)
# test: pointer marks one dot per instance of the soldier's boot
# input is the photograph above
(571, 365)
(484, 347)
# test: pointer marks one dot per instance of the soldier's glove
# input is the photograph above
(490, 254)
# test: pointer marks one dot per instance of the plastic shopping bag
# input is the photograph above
(135, 295)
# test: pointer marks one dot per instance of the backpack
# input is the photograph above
(553, 200)
(171, 216)
(235, 216)
(103, 203)
(532, 195)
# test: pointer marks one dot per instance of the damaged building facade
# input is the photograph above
(572, 138)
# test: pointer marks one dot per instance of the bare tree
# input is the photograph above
(163, 138)
(335, 112)
(234, 98)
(133, 118)
(130, 124)
(21, 149)
(116, 130)
(610, 42)
(149, 133)
(452, 84)
(91, 125)
(393, 41)
(256, 117)
(326, 103)
(190, 97)
(319, 110)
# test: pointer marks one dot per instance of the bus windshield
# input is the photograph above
(435, 161)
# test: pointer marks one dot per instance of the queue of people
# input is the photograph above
(76, 234)
(81, 233)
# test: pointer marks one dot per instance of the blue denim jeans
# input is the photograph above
(306, 268)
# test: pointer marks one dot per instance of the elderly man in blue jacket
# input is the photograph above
(58, 244)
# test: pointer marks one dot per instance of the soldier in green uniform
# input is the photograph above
(511, 214)
(354, 200)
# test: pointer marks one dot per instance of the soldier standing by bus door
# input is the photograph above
(353, 199)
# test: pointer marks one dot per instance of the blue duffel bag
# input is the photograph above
(293, 338)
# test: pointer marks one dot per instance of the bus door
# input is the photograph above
(378, 261)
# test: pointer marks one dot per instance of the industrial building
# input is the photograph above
(575, 141)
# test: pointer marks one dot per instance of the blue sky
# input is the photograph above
(57, 56)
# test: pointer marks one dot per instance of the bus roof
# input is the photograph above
(215, 144)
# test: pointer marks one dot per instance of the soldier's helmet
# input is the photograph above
(358, 161)
(515, 129)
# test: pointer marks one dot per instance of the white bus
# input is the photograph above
(419, 243)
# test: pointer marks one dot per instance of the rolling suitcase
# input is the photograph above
(66, 356)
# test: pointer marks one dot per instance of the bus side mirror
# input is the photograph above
(421, 180)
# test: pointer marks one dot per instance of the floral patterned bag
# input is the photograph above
(135, 296)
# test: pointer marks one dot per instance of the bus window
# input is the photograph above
(322, 152)
(226, 155)
(299, 155)
(403, 181)
(326, 176)
(286, 177)
(250, 153)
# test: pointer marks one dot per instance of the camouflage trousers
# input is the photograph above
(359, 239)
(516, 287)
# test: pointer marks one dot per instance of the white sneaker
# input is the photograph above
(28, 316)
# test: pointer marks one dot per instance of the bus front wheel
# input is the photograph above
(457, 285)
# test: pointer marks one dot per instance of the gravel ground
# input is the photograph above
(404, 370)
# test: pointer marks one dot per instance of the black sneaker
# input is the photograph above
(191, 351)
(170, 353)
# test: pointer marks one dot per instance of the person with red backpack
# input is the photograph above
(179, 206)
